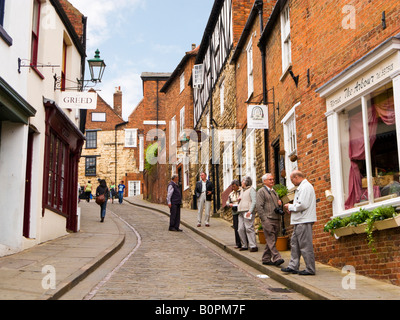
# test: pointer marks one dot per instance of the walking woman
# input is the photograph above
(246, 210)
(103, 189)
(233, 202)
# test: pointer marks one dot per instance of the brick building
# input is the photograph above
(110, 150)
(148, 119)
(329, 65)
(180, 147)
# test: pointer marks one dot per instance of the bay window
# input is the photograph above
(369, 149)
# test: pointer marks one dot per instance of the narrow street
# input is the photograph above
(155, 263)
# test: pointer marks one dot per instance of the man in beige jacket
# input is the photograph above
(267, 201)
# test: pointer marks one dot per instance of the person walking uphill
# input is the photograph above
(204, 191)
(267, 202)
(303, 215)
(102, 189)
(246, 210)
(174, 200)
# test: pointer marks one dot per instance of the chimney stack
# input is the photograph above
(118, 101)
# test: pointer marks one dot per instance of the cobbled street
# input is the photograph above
(178, 265)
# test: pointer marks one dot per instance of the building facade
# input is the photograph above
(40, 142)
(334, 117)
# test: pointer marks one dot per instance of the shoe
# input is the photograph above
(289, 270)
(102, 219)
(243, 249)
(199, 225)
(278, 262)
(237, 247)
(172, 229)
(179, 230)
(268, 263)
(306, 273)
(207, 225)
(255, 249)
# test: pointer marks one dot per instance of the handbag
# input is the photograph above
(100, 199)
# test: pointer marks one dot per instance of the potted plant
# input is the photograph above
(261, 235)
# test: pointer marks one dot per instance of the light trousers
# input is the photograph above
(246, 231)
(302, 245)
(203, 204)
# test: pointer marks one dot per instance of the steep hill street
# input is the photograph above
(158, 264)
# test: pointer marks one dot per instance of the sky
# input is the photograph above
(136, 36)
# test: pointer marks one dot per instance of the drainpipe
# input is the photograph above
(259, 6)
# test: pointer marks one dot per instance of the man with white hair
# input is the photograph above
(267, 201)
(303, 215)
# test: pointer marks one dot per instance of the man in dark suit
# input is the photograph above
(204, 191)
(174, 200)
(267, 201)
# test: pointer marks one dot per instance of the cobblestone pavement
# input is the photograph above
(180, 265)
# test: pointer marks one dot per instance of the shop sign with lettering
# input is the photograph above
(78, 100)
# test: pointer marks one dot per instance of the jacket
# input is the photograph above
(304, 207)
(248, 200)
(175, 197)
(209, 187)
(267, 201)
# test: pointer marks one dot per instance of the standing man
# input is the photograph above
(121, 190)
(303, 215)
(204, 191)
(267, 201)
(174, 200)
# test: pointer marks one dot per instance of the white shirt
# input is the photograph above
(304, 207)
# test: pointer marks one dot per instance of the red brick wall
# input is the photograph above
(320, 43)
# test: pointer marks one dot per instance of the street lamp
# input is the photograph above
(96, 67)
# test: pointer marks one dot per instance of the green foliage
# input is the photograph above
(359, 217)
(281, 190)
(151, 154)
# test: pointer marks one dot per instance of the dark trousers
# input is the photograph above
(235, 227)
(175, 217)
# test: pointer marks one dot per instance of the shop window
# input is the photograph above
(369, 149)
(56, 167)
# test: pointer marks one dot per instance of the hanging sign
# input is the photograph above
(78, 100)
(257, 117)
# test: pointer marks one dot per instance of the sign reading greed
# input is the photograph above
(78, 100)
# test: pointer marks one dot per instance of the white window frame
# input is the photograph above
(128, 143)
(186, 173)
(290, 143)
(172, 132)
(182, 121)
(250, 78)
(99, 117)
(182, 82)
(141, 153)
(131, 188)
(286, 40)
(227, 157)
(251, 156)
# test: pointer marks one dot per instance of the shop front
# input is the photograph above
(363, 117)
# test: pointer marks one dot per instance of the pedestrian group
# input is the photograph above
(244, 202)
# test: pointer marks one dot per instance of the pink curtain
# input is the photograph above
(383, 109)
